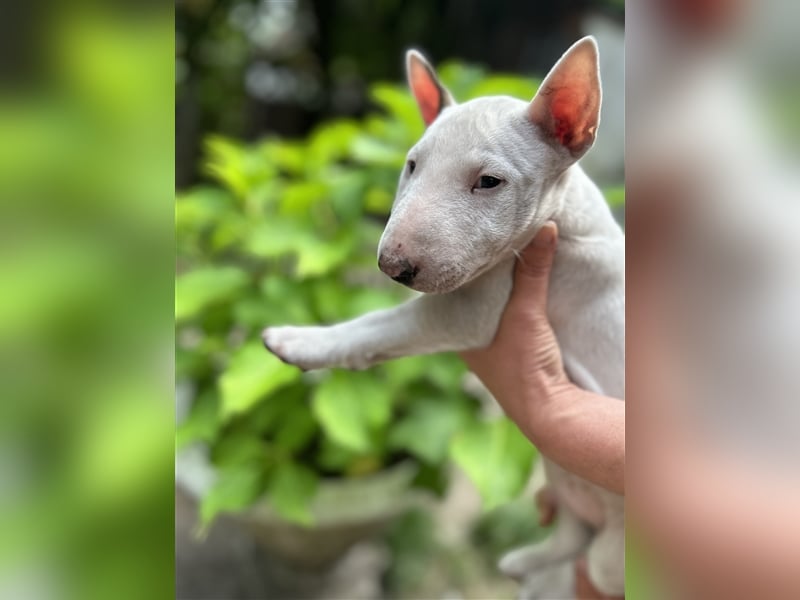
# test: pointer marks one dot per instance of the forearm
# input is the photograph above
(581, 431)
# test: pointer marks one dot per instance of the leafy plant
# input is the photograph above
(287, 234)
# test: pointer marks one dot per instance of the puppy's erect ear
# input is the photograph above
(567, 105)
(431, 95)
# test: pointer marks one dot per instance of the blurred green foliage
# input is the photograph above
(426, 564)
(86, 179)
(287, 234)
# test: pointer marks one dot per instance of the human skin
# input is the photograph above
(581, 431)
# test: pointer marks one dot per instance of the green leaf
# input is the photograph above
(229, 232)
(190, 363)
(509, 85)
(373, 151)
(496, 457)
(315, 256)
(427, 429)
(318, 257)
(334, 457)
(346, 194)
(238, 446)
(388, 132)
(460, 79)
(201, 423)
(331, 298)
(238, 167)
(276, 237)
(366, 300)
(349, 406)
(225, 162)
(287, 155)
(298, 197)
(329, 143)
(401, 105)
(200, 288)
(290, 491)
(445, 371)
(258, 312)
(266, 417)
(296, 429)
(235, 489)
(378, 200)
(407, 369)
(283, 301)
(201, 207)
(615, 196)
(377, 399)
(252, 374)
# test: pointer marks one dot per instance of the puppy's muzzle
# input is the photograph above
(401, 270)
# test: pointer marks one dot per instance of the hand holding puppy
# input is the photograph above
(579, 430)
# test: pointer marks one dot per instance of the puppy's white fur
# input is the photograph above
(461, 238)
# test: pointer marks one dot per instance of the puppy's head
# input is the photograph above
(478, 184)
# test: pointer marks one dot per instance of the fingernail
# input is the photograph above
(546, 237)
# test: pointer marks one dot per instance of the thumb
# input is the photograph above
(533, 267)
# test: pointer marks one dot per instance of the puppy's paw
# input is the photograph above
(519, 563)
(304, 347)
(553, 581)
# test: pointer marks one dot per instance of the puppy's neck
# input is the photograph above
(580, 210)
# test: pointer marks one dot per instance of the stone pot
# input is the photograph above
(345, 511)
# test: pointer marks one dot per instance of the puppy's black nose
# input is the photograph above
(406, 277)
(399, 269)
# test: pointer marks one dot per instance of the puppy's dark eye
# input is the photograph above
(411, 166)
(487, 181)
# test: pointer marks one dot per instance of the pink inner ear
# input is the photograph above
(567, 108)
(426, 92)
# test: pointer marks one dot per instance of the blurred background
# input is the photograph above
(86, 315)
(713, 285)
(292, 123)
(247, 69)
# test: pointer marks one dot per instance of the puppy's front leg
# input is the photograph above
(463, 319)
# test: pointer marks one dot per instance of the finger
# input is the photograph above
(530, 279)
(533, 267)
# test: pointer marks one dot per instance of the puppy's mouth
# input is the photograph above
(430, 278)
(435, 287)
(443, 282)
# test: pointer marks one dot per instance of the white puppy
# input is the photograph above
(486, 175)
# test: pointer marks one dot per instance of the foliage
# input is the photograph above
(511, 525)
(287, 234)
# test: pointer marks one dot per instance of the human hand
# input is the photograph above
(524, 355)
(581, 431)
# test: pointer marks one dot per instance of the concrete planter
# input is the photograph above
(345, 512)
(335, 557)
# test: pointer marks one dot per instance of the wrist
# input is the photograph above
(581, 431)
(551, 396)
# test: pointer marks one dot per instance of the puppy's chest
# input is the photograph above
(586, 308)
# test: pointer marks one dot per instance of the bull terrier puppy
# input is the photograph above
(475, 189)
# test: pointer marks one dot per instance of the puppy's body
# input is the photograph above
(453, 234)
